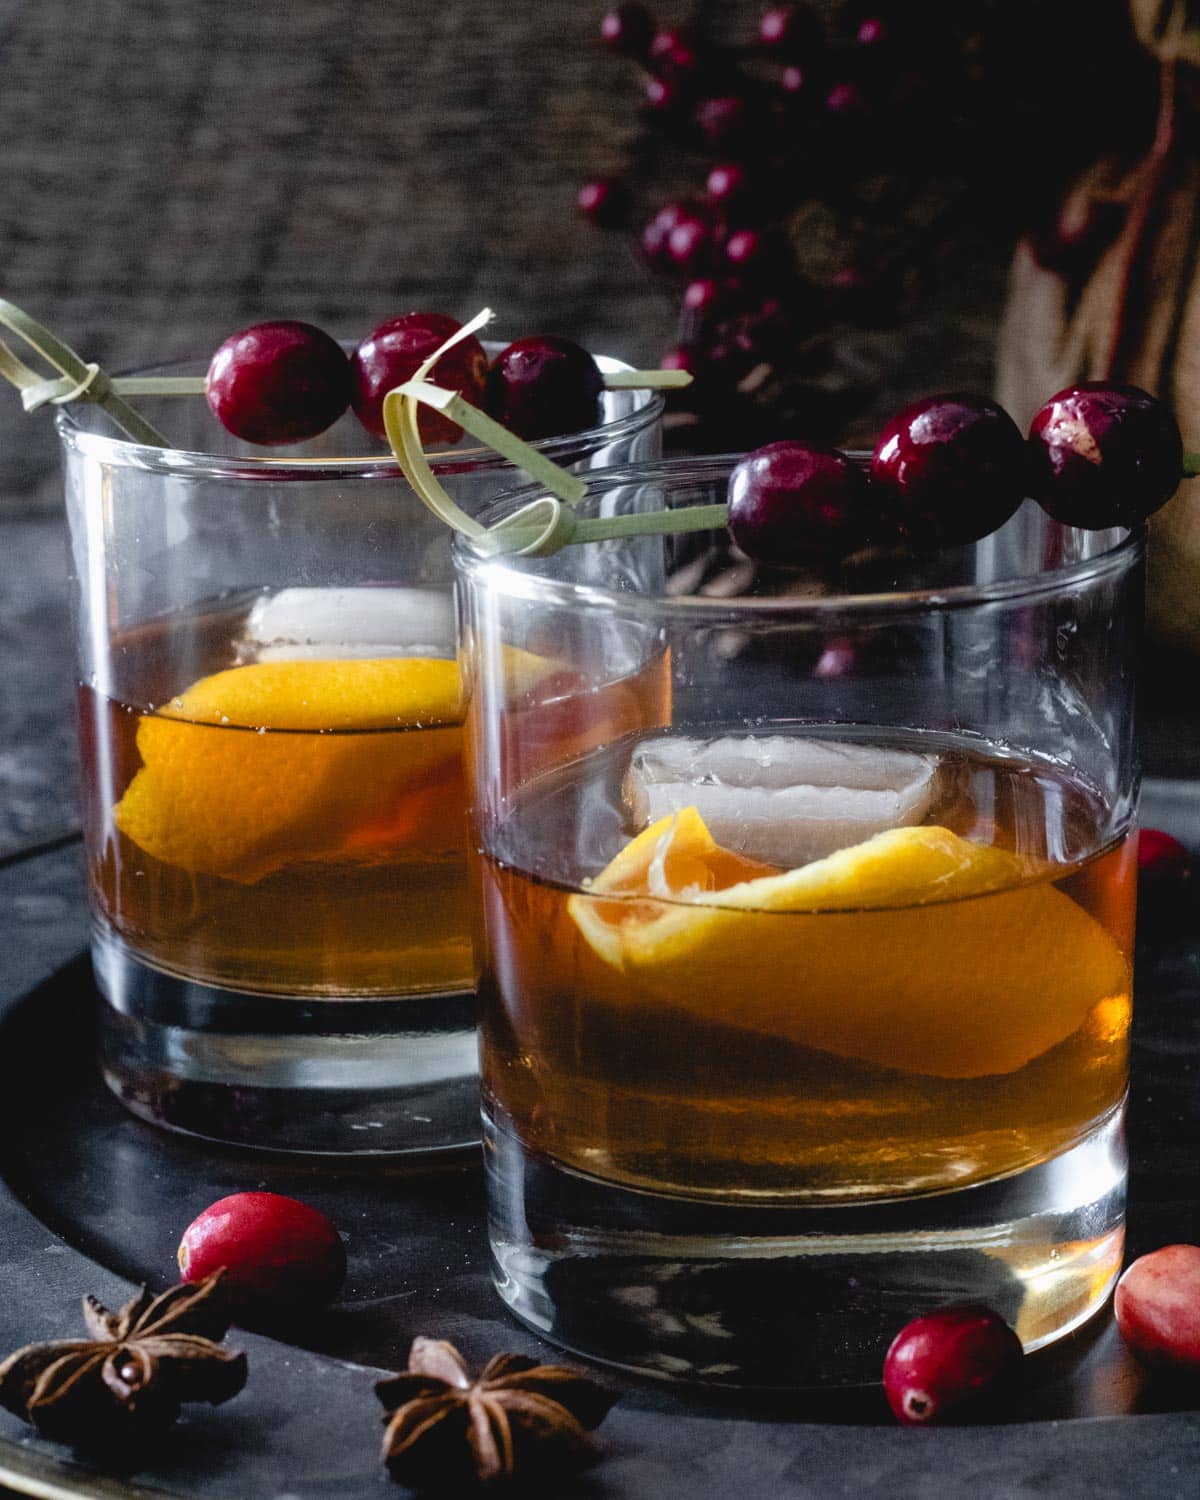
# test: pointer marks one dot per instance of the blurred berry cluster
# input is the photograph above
(847, 159)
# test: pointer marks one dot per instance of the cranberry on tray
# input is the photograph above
(277, 1253)
(946, 1361)
(392, 354)
(278, 382)
(1157, 1305)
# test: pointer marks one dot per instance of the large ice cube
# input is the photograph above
(297, 624)
(780, 798)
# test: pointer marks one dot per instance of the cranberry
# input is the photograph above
(674, 54)
(952, 468)
(544, 386)
(278, 382)
(690, 243)
(837, 659)
(746, 248)
(277, 1253)
(792, 503)
(1157, 1304)
(872, 31)
(728, 122)
(729, 185)
(605, 202)
(791, 30)
(658, 230)
(663, 98)
(392, 354)
(948, 1360)
(1164, 883)
(702, 296)
(629, 30)
(680, 358)
(1104, 455)
(846, 102)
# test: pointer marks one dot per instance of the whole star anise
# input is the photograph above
(134, 1372)
(517, 1417)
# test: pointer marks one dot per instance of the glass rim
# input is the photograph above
(195, 463)
(1124, 553)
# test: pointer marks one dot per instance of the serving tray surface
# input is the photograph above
(93, 1200)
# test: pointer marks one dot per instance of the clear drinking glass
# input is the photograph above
(270, 721)
(806, 933)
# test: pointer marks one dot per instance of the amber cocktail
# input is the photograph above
(271, 718)
(808, 1008)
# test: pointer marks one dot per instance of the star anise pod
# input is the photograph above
(134, 1372)
(517, 1417)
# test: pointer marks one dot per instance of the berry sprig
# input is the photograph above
(286, 381)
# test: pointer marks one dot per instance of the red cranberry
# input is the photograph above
(605, 202)
(727, 122)
(948, 1360)
(746, 248)
(629, 30)
(544, 386)
(277, 1253)
(702, 296)
(690, 243)
(658, 230)
(675, 54)
(1164, 883)
(392, 353)
(1104, 455)
(729, 185)
(663, 98)
(838, 659)
(951, 467)
(846, 102)
(680, 358)
(792, 503)
(791, 30)
(278, 382)
(872, 31)
(1157, 1304)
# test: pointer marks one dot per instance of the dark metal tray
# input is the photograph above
(92, 1200)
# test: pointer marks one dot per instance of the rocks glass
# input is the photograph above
(270, 721)
(807, 914)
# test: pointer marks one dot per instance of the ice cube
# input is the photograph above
(298, 623)
(782, 799)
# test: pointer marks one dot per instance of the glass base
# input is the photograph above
(394, 1076)
(784, 1296)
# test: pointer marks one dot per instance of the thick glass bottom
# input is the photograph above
(784, 1296)
(393, 1076)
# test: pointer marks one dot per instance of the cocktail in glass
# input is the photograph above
(805, 1007)
(270, 713)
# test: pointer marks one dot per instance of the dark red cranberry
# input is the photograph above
(792, 504)
(675, 53)
(1165, 885)
(391, 354)
(947, 1361)
(702, 296)
(278, 382)
(277, 1253)
(729, 186)
(690, 243)
(663, 98)
(846, 102)
(605, 202)
(544, 386)
(951, 469)
(756, 253)
(1157, 1305)
(1104, 455)
(728, 122)
(837, 659)
(873, 31)
(793, 31)
(658, 230)
(680, 358)
(629, 30)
